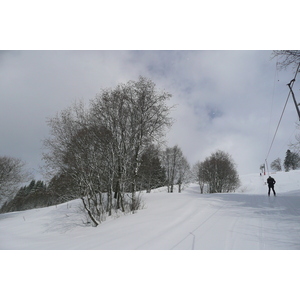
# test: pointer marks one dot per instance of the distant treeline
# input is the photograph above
(35, 195)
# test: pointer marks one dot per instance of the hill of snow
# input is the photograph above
(247, 219)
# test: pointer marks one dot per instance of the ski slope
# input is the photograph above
(245, 220)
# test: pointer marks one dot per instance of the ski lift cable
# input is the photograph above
(273, 93)
(291, 83)
(288, 141)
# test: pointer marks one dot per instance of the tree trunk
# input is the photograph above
(96, 223)
(109, 200)
(201, 188)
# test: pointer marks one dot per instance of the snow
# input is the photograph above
(245, 220)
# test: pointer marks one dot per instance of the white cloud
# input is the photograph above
(227, 100)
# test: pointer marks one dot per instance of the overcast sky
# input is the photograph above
(227, 100)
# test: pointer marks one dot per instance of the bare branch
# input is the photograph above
(12, 175)
(286, 58)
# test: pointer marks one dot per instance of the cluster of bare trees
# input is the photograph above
(106, 152)
(217, 173)
(177, 168)
(100, 148)
(12, 174)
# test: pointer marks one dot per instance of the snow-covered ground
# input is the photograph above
(247, 219)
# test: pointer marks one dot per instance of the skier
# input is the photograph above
(271, 181)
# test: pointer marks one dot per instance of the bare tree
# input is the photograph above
(167, 164)
(276, 165)
(76, 149)
(176, 166)
(137, 115)
(12, 174)
(286, 58)
(219, 172)
(100, 148)
(184, 173)
(198, 172)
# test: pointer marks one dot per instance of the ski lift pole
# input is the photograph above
(296, 105)
(290, 85)
(266, 166)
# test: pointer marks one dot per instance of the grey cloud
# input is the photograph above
(226, 100)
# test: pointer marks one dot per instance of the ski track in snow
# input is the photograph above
(248, 219)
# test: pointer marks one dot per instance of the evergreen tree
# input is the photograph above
(30, 187)
(151, 173)
(291, 161)
(36, 194)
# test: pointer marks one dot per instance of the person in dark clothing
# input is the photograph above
(271, 181)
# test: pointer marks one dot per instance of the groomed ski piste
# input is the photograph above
(245, 220)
